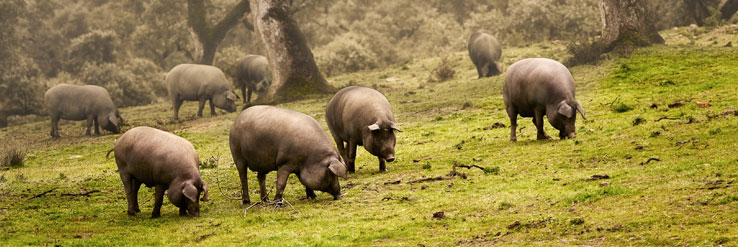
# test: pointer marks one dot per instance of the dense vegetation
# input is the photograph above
(126, 46)
(661, 125)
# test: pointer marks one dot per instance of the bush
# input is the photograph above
(13, 158)
(444, 71)
(584, 52)
(96, 47)
(135, 83)
(345, 54)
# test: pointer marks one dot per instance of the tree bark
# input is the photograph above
(292, 63)
(698, 10)
(728, 9)
(207, 38)
(627, 23)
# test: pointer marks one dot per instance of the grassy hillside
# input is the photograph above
(639, 108)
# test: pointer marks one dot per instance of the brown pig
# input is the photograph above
(362, 116)
(157, 158)
(267, 138)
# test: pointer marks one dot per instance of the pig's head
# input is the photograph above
(185, 195)
(379, 139)
(226, 100)
(563, 117)
(111, 122)
(265, 82)
(323, 175)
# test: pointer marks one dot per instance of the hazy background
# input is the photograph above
(126, 46)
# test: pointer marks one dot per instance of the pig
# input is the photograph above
(267, 138)
(362, 116)
(149, 156)
(537, 87)
(252, 72)
(197, 82)
(485, 51)
(90, 102)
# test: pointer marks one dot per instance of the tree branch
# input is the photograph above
(230, 20)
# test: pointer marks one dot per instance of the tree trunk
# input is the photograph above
(729, 9)
(698, 10)
(625, 23)
(207, 38)
(290, 59)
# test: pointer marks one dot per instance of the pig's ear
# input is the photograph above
(373, 127)
(581, 110)
(190, 191)
(231, 96)
(565, 109)
(205, 192)
(114, 120)
(338, 169)
(394, 127)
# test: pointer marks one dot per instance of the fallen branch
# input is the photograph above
(613, 102)
(42, 194)
(80, 194)
(393, 182)
(217, 181)
(470, 166)
(649, 160)
(429, 179)
(666, 118)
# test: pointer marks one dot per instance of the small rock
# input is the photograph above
(439, 215)
(654, 106)
(703, 104)
(603, 184)
(639, 147)
(392, 79)
(729, 44)
(730, 112)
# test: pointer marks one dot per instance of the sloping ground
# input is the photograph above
(670, 166)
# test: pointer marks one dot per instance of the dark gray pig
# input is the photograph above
(88, 102)
(535, 87)
(485, 51)
(267, 138)
(197, 82)
(252, 72)
(168, 162)
(362, 116)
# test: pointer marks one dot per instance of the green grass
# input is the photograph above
(688, 197)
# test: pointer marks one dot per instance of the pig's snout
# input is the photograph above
(337, 196)
(390, 158)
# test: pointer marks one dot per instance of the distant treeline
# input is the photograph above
(126, 46)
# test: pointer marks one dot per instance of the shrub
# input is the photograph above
(444, 71)
(96, 47)
(345, 54)
(13, 158)
(584, 52)
(125, 85)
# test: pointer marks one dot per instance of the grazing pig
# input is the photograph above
(485, 51)
(362, 116)
(252, 72)
(267, 138)
(535, 87)
(72, 102)
(196, 82)
(157, 158)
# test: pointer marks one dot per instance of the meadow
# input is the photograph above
(654, 164)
